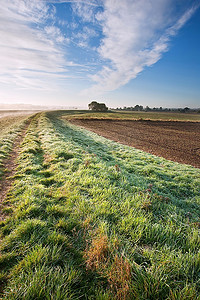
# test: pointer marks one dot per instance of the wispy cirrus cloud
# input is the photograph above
(90, 3)
(28, 45)
(136, 34)
(111, 40)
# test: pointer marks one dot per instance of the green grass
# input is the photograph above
(165, 116)
(10, 129)
(92, 219)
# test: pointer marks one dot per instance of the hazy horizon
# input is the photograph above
(23, 106)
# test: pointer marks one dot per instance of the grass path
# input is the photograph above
(93, 219)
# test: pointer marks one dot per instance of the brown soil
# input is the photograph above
(10, 165)
(173, 140)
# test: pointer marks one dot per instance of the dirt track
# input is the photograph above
(176, 141)
(10, 165)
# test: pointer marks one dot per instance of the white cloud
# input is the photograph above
(55, 34)
(34, 51)
(84, 10)
(27, 45)
(82, 37)
(90, 3)
(136, 34)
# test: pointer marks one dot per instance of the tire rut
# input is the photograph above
(10, 165)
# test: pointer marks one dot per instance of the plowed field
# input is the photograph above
(176, 141)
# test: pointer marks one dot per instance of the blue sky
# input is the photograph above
(58, 52)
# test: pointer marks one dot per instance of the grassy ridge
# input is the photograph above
(92, 219)
(164, 116)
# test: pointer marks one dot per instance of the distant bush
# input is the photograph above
(95, 106)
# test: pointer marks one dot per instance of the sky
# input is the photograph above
(122, 53)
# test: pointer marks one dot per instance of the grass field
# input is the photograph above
(195, 117)
(88, 218)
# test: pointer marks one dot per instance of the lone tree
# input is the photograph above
(95, 106)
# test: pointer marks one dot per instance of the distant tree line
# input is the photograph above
(159, 109)
(101, 107)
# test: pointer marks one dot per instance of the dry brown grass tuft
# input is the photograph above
(116, 269)
(119, 277)
(97, 256)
